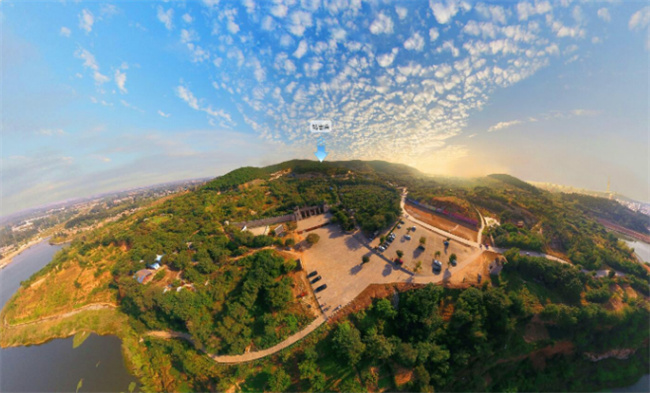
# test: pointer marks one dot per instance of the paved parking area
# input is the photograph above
(337, 257)
(433, 243)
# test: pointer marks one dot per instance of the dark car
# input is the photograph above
(315, 280)
(322, 287)
(312, 274)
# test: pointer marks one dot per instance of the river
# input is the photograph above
(640, 248)
(56, 365)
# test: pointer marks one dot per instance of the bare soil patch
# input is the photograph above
(535, 330)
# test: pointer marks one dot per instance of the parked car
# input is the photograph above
(407, 237)
(437, 266)
(399, 226)
(401, 221)
(382, 248)
(413, 228)
(315, 280)
(399, 261)
(322, 287)
(312, 274)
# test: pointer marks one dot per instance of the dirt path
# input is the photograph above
(88, 307)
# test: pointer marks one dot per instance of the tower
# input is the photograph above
(609, 192)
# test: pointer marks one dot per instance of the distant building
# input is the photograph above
(143, 276)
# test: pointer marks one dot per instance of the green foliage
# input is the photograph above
(347, 342)
(313, 238)
(236, 178)
(565, 279)
(365, 259)
(279, 381)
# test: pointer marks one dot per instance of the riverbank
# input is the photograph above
(10, 257)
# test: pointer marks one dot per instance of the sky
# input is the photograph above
(100, 96)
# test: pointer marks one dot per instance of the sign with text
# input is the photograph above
(320, 126)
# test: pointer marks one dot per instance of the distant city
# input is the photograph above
(632, 204)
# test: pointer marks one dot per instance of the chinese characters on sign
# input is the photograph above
(320, 126)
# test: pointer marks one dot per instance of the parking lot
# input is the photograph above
(433, 243)
(337, 258)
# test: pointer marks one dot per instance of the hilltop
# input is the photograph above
(185, 266)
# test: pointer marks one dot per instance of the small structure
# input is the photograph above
(159, 257)
(143, 276)
(154, 266)
(279, 230)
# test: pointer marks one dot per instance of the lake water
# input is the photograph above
(640, 248)
(55, 365)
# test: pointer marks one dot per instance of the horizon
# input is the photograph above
(546, 92)
(209, 178)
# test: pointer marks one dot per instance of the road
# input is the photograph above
(248, 356)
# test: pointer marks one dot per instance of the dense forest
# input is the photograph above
(474, 339)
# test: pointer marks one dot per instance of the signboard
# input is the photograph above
(319, 126)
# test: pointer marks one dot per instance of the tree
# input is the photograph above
(313, 238)
(399, 253)
(423, 240)
(279, 381)
(348, 344)
(436, 254)
(365, 259)
(289, 242)
(418, 266)
(382, 239)
(378, 346)
(452, 258)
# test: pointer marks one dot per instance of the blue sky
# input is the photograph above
(98, 96)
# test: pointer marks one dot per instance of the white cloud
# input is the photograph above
(300, 21)
(382, 24)
(187, 18)
(301, 50)
(163, 114)
(526, 10)
(640, 19)
(504, 124)
(186, 95)
(188, 36)
(65, 31)
(268, 23)
(603, 14)
(433, 34)
(444, 12)
(165, 17)
(86, 20)
(279, 11)
(233, 27)
(415, 42)
(91, 63)
(387, 59)
(120, 81)
(401, 12)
